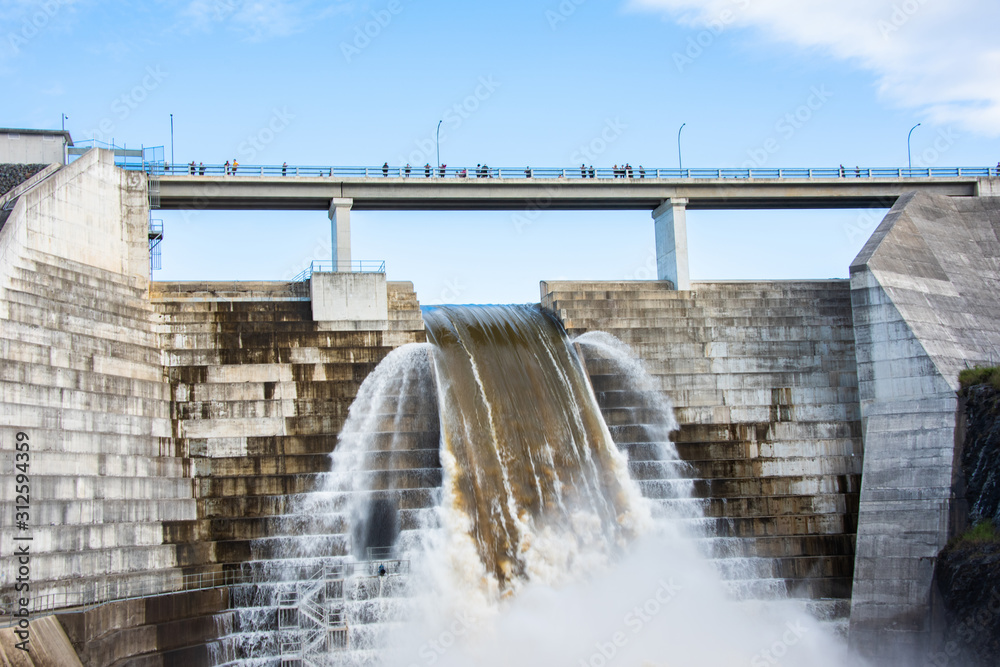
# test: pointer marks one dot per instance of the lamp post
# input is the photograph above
(63, 118)
(909, 158)
(171, 139)
(680, 161)
(439, 143)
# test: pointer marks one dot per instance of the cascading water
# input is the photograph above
(334, 581)
(483, 460)
(529, 460)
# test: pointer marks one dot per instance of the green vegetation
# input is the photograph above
(984, 532)
(980, 375)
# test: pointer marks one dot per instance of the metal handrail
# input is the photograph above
(327, 266)
(567, 173)
(63, 601)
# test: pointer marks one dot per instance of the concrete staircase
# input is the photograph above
(82, 377)
(762, 377)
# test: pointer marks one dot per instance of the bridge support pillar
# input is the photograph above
(670, 221)
(340, 233)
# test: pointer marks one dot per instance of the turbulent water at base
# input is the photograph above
(483, 462)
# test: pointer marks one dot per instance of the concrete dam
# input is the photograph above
(238, 473)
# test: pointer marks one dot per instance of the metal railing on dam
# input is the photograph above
(105, 592)
(327, 266)
(582, 172)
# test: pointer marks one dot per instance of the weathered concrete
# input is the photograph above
(48, 646)
(350, 301)
(762, 376)
(260, 392)
(926, 304)
(340, 221)
(81, 375)
(670, 226)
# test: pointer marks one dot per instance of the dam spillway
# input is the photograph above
(175, 426)
(531, 463)
(532, 494)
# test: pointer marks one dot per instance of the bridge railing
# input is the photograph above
(565, 173)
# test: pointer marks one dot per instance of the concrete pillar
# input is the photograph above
(670, 221)
(340, 232)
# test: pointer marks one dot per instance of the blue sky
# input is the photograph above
(361, 83)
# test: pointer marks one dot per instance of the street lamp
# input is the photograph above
(680, 162)
(909, 158)
(171, 138)
(439, 143)
(64, 119)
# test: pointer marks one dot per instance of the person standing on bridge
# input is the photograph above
(593, 172)
(201, 168)
(385, 169)
(427, 170)
(284, 168)
(235, 164)
(227, 167)
(407, 171)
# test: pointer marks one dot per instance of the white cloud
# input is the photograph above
(940, 57)
(259, 19)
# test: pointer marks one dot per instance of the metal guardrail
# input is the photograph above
(327, 266)
(569, 173)
(72, 602)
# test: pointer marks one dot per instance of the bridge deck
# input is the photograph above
(314, 193)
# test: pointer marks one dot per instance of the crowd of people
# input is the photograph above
(482, 171)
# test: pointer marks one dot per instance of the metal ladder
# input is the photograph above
(311, 619)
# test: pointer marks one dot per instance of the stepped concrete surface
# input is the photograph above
(763, 380)
(926, 295)
(82, 378)
(171, 425)
(260, 391)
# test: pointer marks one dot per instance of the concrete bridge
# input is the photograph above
(667, 193)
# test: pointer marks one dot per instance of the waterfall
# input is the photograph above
(479, 511)
(529, 461)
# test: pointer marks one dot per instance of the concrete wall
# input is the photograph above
(168, 429)
(81, 374)
(926, 295)
(762, 376)
(90, 212)
(350, 301)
